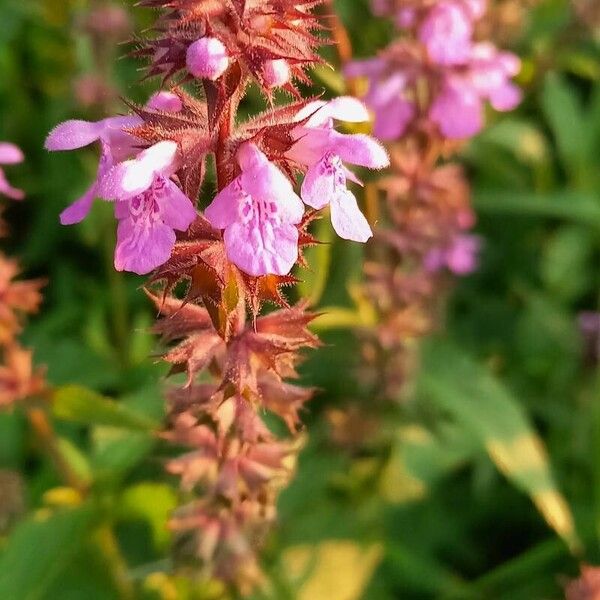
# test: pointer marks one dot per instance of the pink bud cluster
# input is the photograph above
(440, 50)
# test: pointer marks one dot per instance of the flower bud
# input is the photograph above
(207, 58)
(276, 72)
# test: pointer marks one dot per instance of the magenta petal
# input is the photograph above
(347, 220)
(505, 97)
(79, 210)
(176, 208)
(223, 210)
(319, 186)
(73, 134)
(391, 122)
(142, 246)
(10, 154)
(269, 248)
(458, 112)
(360, 149)
(8, 190)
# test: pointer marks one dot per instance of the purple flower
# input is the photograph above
(258, 211)
(149, 207)
(460, 257)
(387, 96)
(115, 143)
(10, 155)
(324, 150)
(446, 32)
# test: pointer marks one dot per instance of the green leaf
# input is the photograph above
(565, 266)
(315, 278)
(481, 404)
(116, 451)
(79, 404)
(578, 207)
(39, 549)
(152, 502)
(567, 119)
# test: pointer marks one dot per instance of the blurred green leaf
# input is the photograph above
(79, 404)
(39, 549)
(567, 119)
(313, 280)
(152, 502)
(578, 207)
(480, 403)
(116, 451)
(565, 265)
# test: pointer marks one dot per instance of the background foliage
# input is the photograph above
(491, 488)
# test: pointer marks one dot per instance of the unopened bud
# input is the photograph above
(207, 58)
(276, 72)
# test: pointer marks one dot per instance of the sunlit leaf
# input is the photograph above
(480, 403)
(332, 570)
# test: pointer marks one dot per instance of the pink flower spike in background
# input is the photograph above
(10, 155)
(324, 150)
(446, 33)
(258, 211)
(149, 207)
(461, 257)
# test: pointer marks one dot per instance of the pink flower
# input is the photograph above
(207, 58)
(149, 207)
(258, 211)
(386, 97)
(10, 155)
(324, 150)
(460, 257)
(458, 109)
(446, 32)
(116, 145)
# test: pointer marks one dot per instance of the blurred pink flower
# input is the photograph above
(10, 155)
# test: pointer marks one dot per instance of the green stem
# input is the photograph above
(118, 300)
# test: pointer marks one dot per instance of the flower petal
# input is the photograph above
(176, 208)
(270, 248)
(344, 108)
(223, 210)
(142, 246)
(10, 154)
(360, 149)
(8, 190)
(347, 220)
(73, 134)
(132, 177)
(266, 182)
(79, 210)
(322, 184)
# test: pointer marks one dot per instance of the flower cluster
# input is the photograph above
(427, 92)
(18, 377)
(236, 254)
(438, 75)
